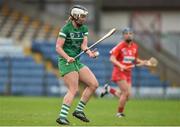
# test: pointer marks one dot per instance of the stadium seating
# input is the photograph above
(47, 49)
(18, 25)
(30, 78)
(3, 73)
(22, 73)
(25, 76)
(101, 67)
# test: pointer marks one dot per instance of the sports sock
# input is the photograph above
(120, 109)
(112, 91)
(80, 106)
(64, 111)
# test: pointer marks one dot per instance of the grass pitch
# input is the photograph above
(42, 111)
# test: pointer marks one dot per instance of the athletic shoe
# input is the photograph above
(105, 90)
(119, 115)
(62, 121)
(80, 115)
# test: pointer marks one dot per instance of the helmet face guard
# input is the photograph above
(77, 13)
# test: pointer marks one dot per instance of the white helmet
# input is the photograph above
(77, 11)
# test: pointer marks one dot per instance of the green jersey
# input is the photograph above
(73, 38)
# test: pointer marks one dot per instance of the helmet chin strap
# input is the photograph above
(76, 21)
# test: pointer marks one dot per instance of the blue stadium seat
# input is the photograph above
(52, 84)
(52, 79)
(25, 76)
(27, 90)
(4, 72)
(47, 49)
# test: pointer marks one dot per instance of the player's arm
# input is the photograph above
(141, 62)
(114, 54)
(84, 47)
(59, 44)
(116, 62)
(152, 62)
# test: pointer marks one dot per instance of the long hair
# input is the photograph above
(70, 18)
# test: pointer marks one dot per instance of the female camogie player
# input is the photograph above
(124, 56)
(71, 41)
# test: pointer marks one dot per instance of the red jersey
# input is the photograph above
(125, 53)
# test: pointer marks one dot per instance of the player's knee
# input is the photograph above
(125, 93)
(94, 85)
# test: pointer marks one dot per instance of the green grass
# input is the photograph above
(41, 111)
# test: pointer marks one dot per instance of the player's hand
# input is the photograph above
(70, 59)
(152, 62)
(144, 62)
(126, 68)
(122, 67)
(130, 67)
(91, 54)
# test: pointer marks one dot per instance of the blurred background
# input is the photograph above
(29, 29)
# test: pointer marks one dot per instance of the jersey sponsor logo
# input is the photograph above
(128, 59)
(71, 35)
(128, 52)
(76, 35)
(124, 51)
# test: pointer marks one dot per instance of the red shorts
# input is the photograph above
(118, 75)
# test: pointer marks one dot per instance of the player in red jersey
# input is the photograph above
(124, 56)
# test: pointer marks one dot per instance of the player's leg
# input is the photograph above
(108, 89)
(129, 90)
(88, 78)
(116, 76)
(71, 81)
(129, 82)
(124, 86)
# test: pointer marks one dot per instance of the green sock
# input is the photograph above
(64, 111)
(80, 106)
